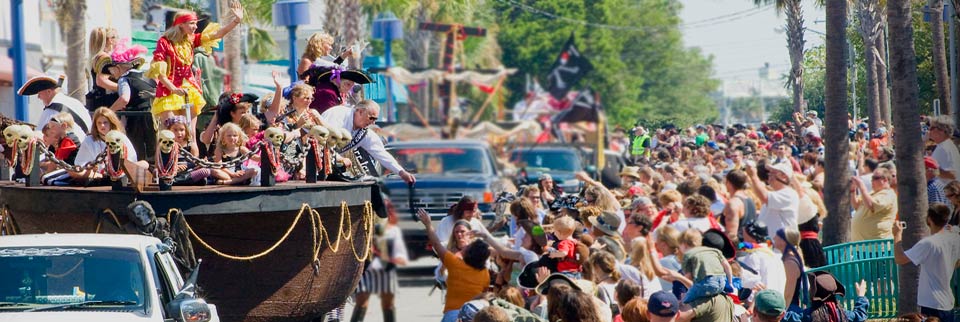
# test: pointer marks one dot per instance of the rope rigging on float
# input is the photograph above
(319, 233)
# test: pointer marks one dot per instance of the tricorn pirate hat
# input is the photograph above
(39, 83)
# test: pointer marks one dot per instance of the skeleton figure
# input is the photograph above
(345, 138)
(319, 133)
(115, 141)
(11, 134)
(334, 137)
(274, 135)
(25, 137)
(166, 141)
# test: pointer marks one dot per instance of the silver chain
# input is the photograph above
(201, 163)
(100, 159)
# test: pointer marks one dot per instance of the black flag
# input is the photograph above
(584, 109)
(569, 68)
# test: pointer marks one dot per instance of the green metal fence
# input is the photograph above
(873, 261)
(860, 250)
(882, 286)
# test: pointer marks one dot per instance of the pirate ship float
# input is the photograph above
(287, 252)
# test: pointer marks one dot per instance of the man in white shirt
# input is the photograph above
(47, 90)
(356, 120)
(946, 153)
(782, 201)
(938, 255)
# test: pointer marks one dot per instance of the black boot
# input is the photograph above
(389, 315)
(358, 314)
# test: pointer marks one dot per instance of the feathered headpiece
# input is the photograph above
(128, 55)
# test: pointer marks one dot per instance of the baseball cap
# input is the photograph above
(930, 163)
(664, 304)
(769, 302)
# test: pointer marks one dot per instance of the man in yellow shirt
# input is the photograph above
(467, 275)
(876, 211)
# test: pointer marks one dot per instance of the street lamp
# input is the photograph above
(291, 13)
(387, 27)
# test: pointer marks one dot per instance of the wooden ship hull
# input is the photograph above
(265, 256)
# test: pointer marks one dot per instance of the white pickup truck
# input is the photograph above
(95, 277)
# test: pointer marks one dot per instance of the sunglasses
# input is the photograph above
(373, 118)
(877, 178)
(952, 195)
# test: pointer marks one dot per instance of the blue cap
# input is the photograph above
(663, 304)
(712, 145)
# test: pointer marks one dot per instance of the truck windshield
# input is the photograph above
(550, 160)
(428, 160)
(92, 278)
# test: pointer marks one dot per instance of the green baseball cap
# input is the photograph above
(770, 303)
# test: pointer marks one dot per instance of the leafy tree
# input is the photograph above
(641, 68)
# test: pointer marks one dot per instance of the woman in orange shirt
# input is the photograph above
(467, 277)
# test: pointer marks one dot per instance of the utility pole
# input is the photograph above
(764, 74)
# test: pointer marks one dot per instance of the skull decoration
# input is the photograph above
(345, 138)
(274, 135)
(115, 141)
(319, 133)
(11, 134)
(25, 136)
(334, 137)
(166, 141)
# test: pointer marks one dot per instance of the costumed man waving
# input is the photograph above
(172, 64)
(47, 90)
(356, 120)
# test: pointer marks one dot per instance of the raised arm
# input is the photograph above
(504, 251)
(431, 233)
(758, 187)
(237, 11)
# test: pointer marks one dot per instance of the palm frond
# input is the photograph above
(260, 45)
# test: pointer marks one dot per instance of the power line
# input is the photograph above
(758, 8)
(532, 9)
(727, 20)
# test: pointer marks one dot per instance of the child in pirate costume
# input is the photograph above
(103, 89)
(131, 82)
(172, 64)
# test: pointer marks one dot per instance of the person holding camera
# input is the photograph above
(877, 210)
(938, 255)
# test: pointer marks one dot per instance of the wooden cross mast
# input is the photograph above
(455, 33)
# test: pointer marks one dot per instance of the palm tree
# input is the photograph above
(794, 29)
(911, 185)
(940, 56)
(881, 59)
(70, 15)
(868, 13)
(836, 228)
(232, 50)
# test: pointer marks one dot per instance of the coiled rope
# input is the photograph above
(319, 233)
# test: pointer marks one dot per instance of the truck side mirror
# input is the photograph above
(190, 310)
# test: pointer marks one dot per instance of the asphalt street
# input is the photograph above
(413, 301)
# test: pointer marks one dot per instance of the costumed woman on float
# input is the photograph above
(173, 61)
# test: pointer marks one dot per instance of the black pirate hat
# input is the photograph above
(319, 73)
(39, 83)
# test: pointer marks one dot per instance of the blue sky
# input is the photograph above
(741, 37)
